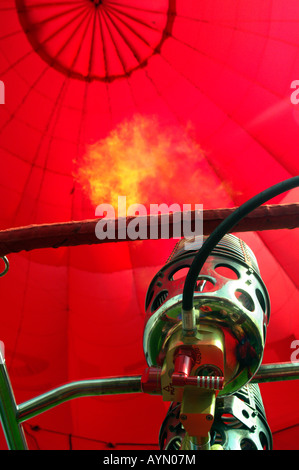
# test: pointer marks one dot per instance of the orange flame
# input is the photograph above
(147, 163)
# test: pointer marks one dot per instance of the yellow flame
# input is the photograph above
(146, 162)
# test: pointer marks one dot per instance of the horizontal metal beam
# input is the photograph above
(74, 233)
(130, 384)
(277, 372)
(83, 388)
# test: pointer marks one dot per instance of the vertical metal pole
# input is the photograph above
(13, 431)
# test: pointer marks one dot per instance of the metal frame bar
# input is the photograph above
(12, 415)
(279, 371)
(13, 431)
(82, 388)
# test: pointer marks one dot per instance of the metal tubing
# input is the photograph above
(12, 415)
(13, 431)
(279, 371)
(132, 384)
(84, 388)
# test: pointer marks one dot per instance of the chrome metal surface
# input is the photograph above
(239, 424)
(84, 388)
(13, 431)
(237, 303)
(276, 372)
(6, 267)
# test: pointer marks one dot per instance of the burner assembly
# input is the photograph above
(207, 312)
(232, 311)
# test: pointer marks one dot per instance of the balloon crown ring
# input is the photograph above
(96, 39)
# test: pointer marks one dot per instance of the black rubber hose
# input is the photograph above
(225, 227)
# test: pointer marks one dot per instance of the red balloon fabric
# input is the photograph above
(162, 102)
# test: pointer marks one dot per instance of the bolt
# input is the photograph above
(209, 418)
(183, 417)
